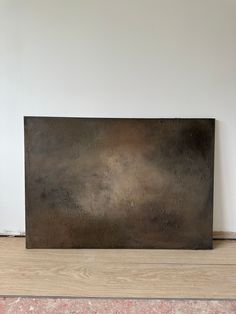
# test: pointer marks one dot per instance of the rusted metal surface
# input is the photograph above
(119, 183)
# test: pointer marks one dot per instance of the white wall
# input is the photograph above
(117, 58)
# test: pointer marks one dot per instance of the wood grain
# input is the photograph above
(118, 273)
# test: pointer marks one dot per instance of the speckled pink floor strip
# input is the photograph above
(10, 305)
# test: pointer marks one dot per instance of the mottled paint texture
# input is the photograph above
(119, 183)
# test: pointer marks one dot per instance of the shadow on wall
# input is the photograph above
(218, 179)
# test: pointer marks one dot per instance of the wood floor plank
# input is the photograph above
(118, 273)
(224, 252)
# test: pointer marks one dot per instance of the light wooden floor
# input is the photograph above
(118, 273)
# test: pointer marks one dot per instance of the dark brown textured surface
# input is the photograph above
(119, 183)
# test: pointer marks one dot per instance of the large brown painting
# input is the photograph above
(119, 183)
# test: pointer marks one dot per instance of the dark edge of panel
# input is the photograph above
(26, 164)
(213, 175)
(116, 118)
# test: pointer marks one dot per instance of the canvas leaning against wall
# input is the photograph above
(119, 183)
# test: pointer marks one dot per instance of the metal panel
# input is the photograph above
(119, 183)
